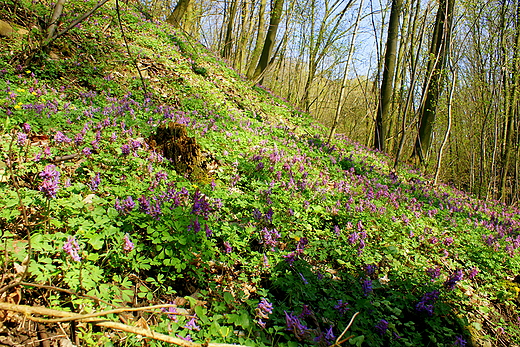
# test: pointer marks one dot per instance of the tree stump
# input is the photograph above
(173, 141)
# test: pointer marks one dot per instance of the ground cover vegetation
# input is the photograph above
(269, 236)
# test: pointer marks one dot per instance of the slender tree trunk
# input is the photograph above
(434, 79)
(56, 14)
(387, 84)
(448, 129)
(228, 40)
(345, 75)
(175, 18)
(259, 39)
(270, 38)
(414, 61)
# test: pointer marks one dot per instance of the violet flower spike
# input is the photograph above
(128, 245)
(72, 248)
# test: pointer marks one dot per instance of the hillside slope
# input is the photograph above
(202, 191)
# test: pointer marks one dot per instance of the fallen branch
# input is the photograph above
(28, 311)
(339, 340)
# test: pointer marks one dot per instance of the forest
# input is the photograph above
(253, 173)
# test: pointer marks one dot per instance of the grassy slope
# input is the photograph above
(309, 226)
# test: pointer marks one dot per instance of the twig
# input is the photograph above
(338, 340)
(30, 310)
(128, 48)
(66, 291)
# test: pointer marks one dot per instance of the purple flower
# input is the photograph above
(227, 247)
(290, 258)
(209, 232)
(303, 279)
(426, 304)
(434, 272)
(473, 273)
(26, 128)
(128, 245)
(455, 277)
(78, 139)
(187, 338)
(270, 237)
(294, 324)
(171, 312)
(94, 183)
(370, 269)
(381, 327)
(59, 137)
(51, 178)
(342, 307)
(125, 150)
(72, 248)
(192, 325)
(126, 206)
(337, 230)
(21, 139)
(87, 151)
(367, 286)
(447, 241)
(460, 341)
(194, 225)
(113, 137)
(263, 310)
(200, 205)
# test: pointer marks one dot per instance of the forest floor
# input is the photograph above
(192, 207)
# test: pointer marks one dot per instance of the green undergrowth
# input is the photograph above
(283, 240)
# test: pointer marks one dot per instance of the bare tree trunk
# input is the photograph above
(448, 129)
(259, 39)
(228, 41)
(56, 14)
(387, 84)
(434, 78)
(276, 15)
(175, 18)
(413, 79)
(345, 74)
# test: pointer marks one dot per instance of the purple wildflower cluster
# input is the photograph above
(171, 313)
(325, 338)
(270, 238)
(295, 325)
(51, 179)
(95, 182)
(125, 206)
(452, 280)
(381, 327)
(201, 206)
(342, 307)
(263, 310)
(426, 304)
(434, 272)
(21, 139)
(72, 248)
(128, 245)
(367, 286)
(192, 324)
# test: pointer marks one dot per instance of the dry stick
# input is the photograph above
(338, 340)
(128, 48)
(66, 291)
(29, 310)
